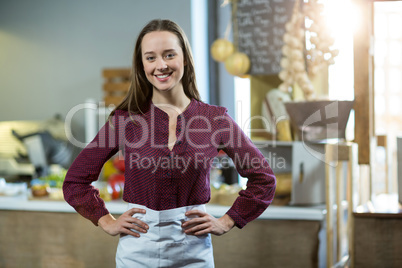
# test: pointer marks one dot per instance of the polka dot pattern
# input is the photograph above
(160, 178)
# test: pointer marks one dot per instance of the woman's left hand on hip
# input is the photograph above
(207, 224)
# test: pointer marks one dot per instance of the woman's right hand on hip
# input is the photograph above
(124, 224)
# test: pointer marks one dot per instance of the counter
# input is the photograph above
(21, 202)
(37, 233)
(378, 234)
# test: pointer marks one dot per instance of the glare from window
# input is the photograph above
(388, 83)
(242, 102)
(340, 76)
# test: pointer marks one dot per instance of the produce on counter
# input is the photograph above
(113, 175)
(118, 163)
(40, 190)
(108, 169)
(49, 186)
(104, 191)
(116, 184)
(55, 179)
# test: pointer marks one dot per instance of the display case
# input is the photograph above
(304, 162)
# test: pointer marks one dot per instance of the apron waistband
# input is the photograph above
(168, 214)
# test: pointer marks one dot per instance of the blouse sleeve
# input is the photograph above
(251, 164)
(77, 188)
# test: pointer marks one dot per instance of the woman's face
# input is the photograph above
(163, 60)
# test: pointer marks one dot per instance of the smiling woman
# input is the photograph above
(167, 172)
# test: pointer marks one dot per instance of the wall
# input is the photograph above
(52, 52)
(226, 81)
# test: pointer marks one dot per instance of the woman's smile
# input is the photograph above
(163, 77)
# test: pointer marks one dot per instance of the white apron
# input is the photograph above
(165, 244)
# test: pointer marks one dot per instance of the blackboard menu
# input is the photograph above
(261, 26)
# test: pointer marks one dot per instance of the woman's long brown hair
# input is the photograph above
(140, 93)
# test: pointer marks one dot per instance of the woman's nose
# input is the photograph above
(161, 65)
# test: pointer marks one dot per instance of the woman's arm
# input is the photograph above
(254, 199)
(85, 169)
(251, 164)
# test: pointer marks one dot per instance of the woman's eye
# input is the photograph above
(150, 58)
(171, 55)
